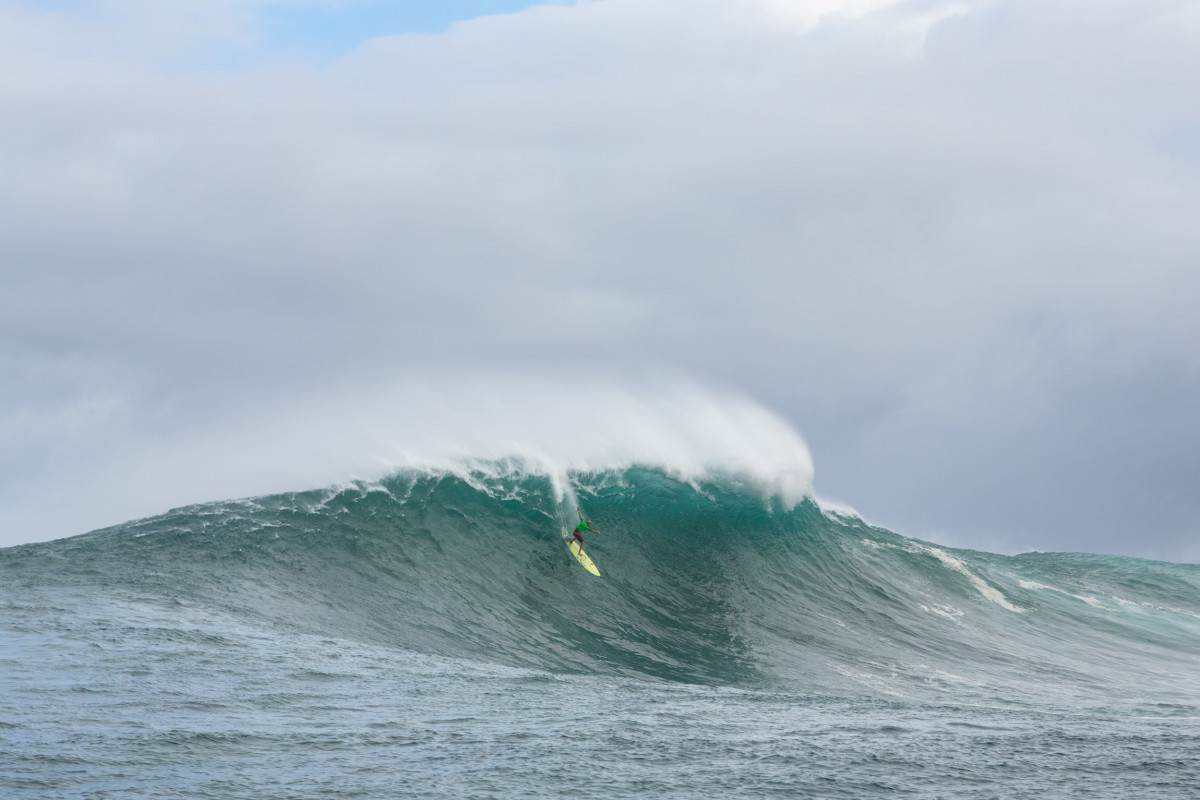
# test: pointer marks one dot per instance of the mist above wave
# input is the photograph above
(553, 425)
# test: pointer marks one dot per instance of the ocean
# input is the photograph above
(428, 635)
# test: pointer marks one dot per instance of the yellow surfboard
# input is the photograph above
(583, 557)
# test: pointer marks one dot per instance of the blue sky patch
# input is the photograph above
(327, 29)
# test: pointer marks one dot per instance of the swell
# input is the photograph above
(703, 581)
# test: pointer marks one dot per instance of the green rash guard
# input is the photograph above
(581, 527)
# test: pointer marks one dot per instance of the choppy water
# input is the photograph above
(430, 636)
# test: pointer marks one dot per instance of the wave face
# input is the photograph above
(703, 582)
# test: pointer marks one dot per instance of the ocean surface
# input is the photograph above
(430, 636)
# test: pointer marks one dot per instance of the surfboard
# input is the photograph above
(581, 556)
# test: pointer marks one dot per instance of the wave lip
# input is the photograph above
(682, 429)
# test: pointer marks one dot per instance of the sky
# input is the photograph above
(938, 259)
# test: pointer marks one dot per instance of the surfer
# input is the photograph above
(584, 525)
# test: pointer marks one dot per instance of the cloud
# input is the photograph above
(926, 232)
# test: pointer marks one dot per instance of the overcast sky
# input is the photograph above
(955, 245)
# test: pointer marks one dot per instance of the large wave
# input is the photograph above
(706, 579)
